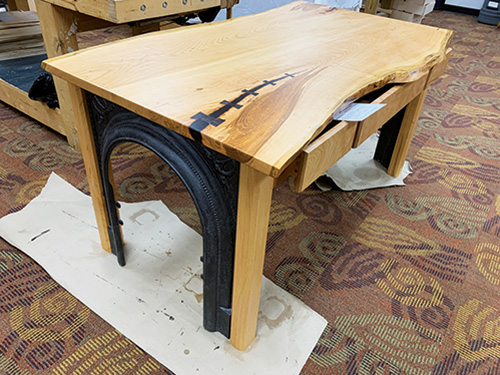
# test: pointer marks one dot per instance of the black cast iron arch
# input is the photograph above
(210, 178)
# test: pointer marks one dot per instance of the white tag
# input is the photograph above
(493, 4)
(358, 112)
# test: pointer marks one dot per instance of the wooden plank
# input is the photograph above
(22, 19)
(6, 17)
(254, 204)
(20, 33)
(325, 151)
(394, 99)
(13, 25)
(122, 11)
(39, 111)
(20, 49)
(94, 8)
(132, 10)
(78, 105)
(300, 71)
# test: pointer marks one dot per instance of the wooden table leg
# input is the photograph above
(371, 6)
(396, 136)
(78, 105)
(386, 4)
(21, 5)
(254, 203)
(59, 35)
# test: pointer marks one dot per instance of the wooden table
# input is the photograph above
(259, 91)
(60, 20)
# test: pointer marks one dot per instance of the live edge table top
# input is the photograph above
(256, 88)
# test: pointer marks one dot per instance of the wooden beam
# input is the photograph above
(59, 34)
(19, 99)
(122, 11)
(371, 6)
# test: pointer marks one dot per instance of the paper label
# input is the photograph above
(358, 112)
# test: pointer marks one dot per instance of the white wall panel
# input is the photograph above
(473, 4)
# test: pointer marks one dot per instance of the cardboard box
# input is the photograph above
(414, 6)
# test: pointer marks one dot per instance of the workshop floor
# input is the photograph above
(408, 278)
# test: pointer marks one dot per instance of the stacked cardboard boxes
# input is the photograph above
(411, 10)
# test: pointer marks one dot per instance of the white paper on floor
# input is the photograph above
(358, 171)
(156, 299)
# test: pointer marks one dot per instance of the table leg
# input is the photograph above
(254, 203)
(59, 35)
(371, 6)
(396, 136)
(386, 4)
(21, 5)
(77, 103)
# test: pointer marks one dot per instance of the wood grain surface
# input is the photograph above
(254, 202)
(256, 88)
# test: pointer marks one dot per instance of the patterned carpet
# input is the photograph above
(408, 278)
